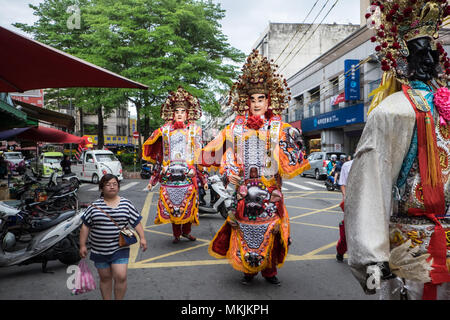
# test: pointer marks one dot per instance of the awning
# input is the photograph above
(40, 134)
(26, 64)
(50, 116)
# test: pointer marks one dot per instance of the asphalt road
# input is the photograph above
(185, 271)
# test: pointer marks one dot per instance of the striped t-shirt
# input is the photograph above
(104, 234)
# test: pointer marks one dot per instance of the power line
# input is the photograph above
(287, 45)
(306, 31)
(332, 83)
(309, 36)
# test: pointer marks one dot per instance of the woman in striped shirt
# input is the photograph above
(110, 260)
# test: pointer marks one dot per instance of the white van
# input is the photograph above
(94, 164)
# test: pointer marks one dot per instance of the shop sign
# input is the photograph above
(352, 82)
(338, 118)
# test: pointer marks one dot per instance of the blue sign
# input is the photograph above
(338, 118)
(352, 80)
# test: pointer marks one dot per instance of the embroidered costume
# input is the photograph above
(398, 187)
(261, 151)
(172, 149)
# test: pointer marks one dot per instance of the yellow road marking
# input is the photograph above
(314, 225)
(311, 213)
(134, 249)
(291, 257)
(171, 235)
(325, 247)
(173, 253)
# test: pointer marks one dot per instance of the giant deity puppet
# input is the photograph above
(397, 201)
(255, 153)
(173, 150)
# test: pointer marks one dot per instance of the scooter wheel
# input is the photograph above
(223, 211)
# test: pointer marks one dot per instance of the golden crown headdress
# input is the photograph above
(258, 76)
(397, 22)
(181, 98)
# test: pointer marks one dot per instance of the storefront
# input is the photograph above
(337, 130)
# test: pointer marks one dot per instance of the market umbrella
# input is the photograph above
(26, 64)
(41, 134)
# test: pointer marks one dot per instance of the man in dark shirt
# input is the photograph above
(65, 165)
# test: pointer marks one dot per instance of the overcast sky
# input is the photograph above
(244, 21)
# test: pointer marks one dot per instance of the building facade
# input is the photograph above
(329, 119)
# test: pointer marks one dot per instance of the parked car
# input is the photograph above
(319, 161)
(16, 162)
(48, 162)
(94, 164)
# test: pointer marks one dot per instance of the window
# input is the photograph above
(105, 157)
(89, 158)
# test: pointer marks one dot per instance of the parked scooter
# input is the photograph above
(26, 239)
(146, 170)
(220, 198)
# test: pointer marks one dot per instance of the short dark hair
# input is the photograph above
(105, 179)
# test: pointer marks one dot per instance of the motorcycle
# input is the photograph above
(26, 239)
(146, 171)
(220, 198)
(332, 185)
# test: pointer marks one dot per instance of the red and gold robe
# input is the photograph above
(173, 152)
(262, 158)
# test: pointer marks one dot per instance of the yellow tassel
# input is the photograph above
(389, 85)
(431, 153)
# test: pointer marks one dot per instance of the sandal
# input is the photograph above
(189, 236)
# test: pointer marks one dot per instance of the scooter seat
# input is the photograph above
(46, 223)
(58, 187)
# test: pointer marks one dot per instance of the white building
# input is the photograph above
(326, 125)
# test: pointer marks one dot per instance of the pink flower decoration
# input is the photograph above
(442, 102)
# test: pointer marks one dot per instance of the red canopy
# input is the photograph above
(41, 134)
(26, 64)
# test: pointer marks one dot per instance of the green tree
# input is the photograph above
(161, 43)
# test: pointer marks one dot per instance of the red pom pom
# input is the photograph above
(382, 26)
(396, 45)
(378, 48)
(395, 7)
(368, 15)
(385, 68)
(447, 64)
(407, 11)
(373, 39)
(384, 44)
(380, 34)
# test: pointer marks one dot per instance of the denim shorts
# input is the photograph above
(106, 265)
(105, 261)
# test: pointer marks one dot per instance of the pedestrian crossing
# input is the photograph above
(141, 186)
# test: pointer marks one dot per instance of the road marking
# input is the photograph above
(297, 185)
(93, 189)
(312, 212)
(315, 184)
(134, 249)
(128, 186)
(314, 225)
(284, 189)
(145, 189)
(173, 253)
(325, 247)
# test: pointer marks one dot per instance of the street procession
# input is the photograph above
(205, 151)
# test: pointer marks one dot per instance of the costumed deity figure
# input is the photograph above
(173, 150)
(397, 200)
(254, 153)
